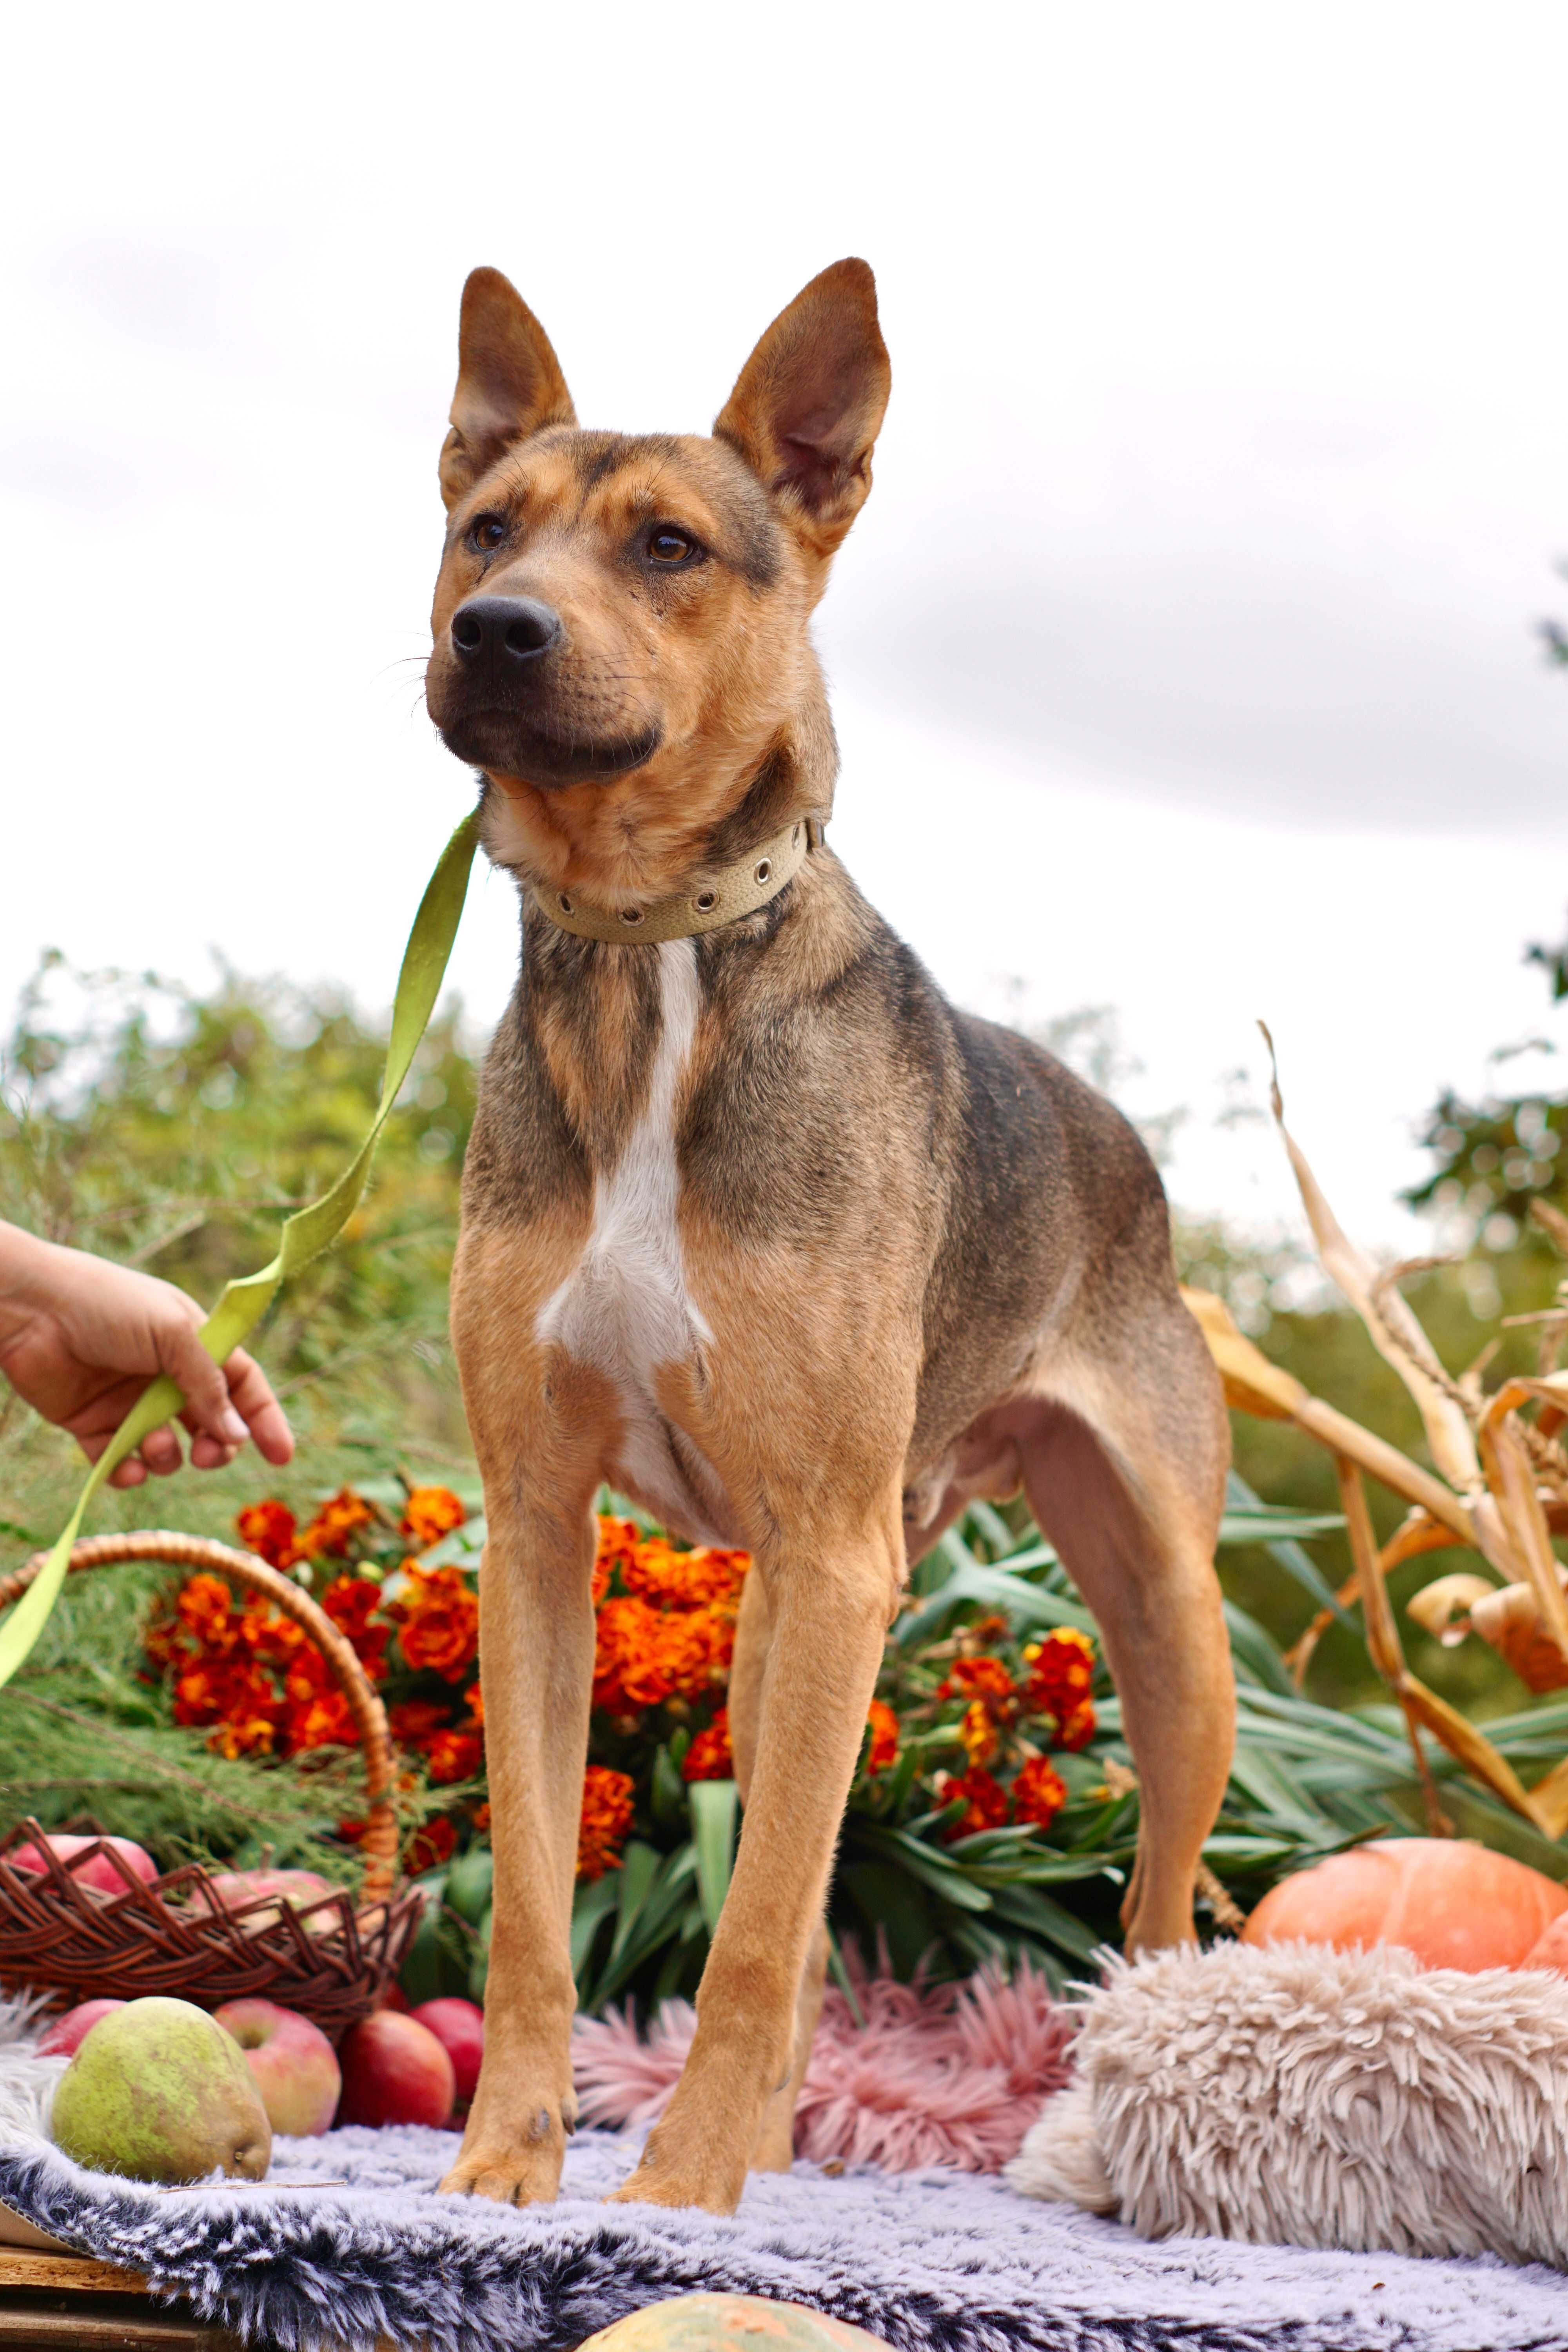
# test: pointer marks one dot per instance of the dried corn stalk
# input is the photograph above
(1500, 1489)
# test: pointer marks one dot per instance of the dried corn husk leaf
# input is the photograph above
(1510, 1623)
(1420, 1532)
(1252, 1384)
(1419, 1705)
(1443, 1609)
(1512, 1483)
(1395, 1334)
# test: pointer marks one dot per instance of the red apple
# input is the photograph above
(395, 2072)
(61, 2039)
(295, 2067)
(394, 1997)
(239, 1889)
(459, 2027)
(97, 1870)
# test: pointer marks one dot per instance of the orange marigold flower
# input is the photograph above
(454, 1756)
(986, 1629)
(985, 1801)
(416, 1721)
(617, 1547)
(656, 1571)
(978, 1732)
(330, 1532)
(985, 1680)
(481, 1818)
(351, 1601)
(430, 1846)
(438, 1622)
(267, 1530)
(710, 1758)
(251, 1736)
(1039, 1793)
(216, 1689)
(476, 1699)
(644, 1657)
(1061, 1674)
(268, 1633)
(308, 1678)
(606, 1817)
(324, 1721)
(884, 1729)
(204, 1607)
(430, 1513)
(1079, 1729)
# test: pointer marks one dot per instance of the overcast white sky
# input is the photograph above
(1182, 657)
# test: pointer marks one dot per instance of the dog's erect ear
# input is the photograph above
(509, 383)
(810, 401)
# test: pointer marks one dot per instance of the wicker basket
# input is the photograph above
(329, 1959)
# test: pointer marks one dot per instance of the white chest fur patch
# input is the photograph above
(626, 1307)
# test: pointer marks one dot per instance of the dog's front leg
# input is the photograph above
(536, 1659)
(829, 1602)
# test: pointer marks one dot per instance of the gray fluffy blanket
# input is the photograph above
(933, 2261)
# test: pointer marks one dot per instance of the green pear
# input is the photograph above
(157, 2091)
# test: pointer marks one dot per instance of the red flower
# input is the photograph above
(985, 1679)
(430, 1845)
(605, 1818)
(267, 1530)
(884, 1729)
(985, 1801)
(1061, 1678)
(709, 1757)
(416, 1721)
(439, 1620)
(325, 1720)
(1039, 1793)
(351, 1601)
(454, 1756)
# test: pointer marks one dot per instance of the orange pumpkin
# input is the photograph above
(1454, 1904)
(1552, 1952)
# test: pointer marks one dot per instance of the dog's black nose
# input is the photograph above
(503, 633)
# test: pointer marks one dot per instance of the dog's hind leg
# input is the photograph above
(1124, 1469)
(774, 2150)
(829, 1596)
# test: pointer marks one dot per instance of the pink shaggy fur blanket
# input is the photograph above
(938, 2074)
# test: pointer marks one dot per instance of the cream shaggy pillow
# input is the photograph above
(1292, 2095)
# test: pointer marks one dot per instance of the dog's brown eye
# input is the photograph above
(486, 530)
(670, 547)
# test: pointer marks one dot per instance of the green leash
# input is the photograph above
(305, 1234)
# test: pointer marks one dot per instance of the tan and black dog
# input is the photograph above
(755, 1226)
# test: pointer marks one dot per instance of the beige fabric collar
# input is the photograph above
(721, 896)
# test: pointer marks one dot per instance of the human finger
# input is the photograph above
(207, 1454)
(160, 1451)
(251, 1397)
(202, 1383)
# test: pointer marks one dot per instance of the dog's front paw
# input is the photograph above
(713, 2185)
(513, 2168)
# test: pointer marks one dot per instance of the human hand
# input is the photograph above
(80, 1339)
